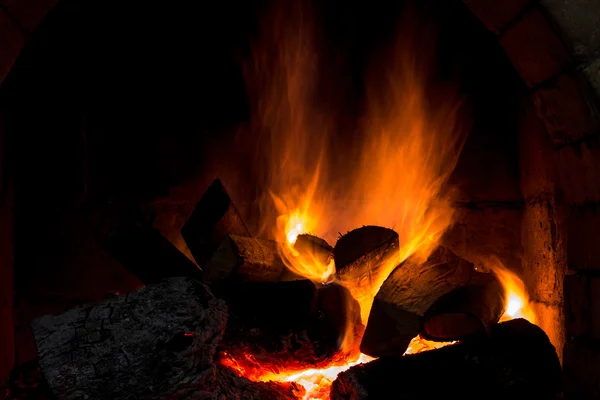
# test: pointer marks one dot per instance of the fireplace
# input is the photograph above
(325, 144)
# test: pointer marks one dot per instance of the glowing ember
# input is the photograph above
(317, 382)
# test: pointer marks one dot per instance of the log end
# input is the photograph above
(358, 242)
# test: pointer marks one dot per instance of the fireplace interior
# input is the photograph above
(314, 200)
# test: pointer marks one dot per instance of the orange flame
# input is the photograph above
(517, 299)
(409, 146)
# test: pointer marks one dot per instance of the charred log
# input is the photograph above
(362, 255)
(466, 311)
(244, 258)
(155, 343)
(213, 218)
(276, 326)
(516, 362)
(406, 295)
(140, 247)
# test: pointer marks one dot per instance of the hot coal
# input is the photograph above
(214, 217)
(406, 296)
(517, 361)
(287, 326)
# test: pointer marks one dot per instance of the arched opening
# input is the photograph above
(141, 108)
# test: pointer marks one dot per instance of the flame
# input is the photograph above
(317, 382)
(419, 345)
(396, 175)
(517, 303)
(408, 145)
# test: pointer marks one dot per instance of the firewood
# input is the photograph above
(291, 326)
(405, 297)
(155, 343)
(213, 218)
(517, 361)
(140, 247)
(244, 258)
(360, 256)
(466, 311)
(309, 246)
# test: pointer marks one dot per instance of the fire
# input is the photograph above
(409, 144)
(316, 382)
(419, 345)
(517, 300)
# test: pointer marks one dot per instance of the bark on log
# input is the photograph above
(309, 246)
(214, 217)
(405, 297)
(361, 257)
(516, 362)
(155, 343)
(276, 326)
(466, 311)
(246, 259)
(140, 247)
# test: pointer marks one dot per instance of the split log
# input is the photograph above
(287, 326)
(361, 258)
(140, 247)
(155, 343)
(244, 258)
(309, 247)
(406, 295)
(214, 217)
(516, 362)
(466, 311)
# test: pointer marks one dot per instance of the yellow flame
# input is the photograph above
(517, 304)
(419, 345)
(317, 382)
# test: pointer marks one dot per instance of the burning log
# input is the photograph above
(141, 248)
(466, 311)
(287, 326)
(213, 218)
(310, 247)
(314, 245)
(517, 361)
(360, 256)
(244, 258)
(155, 343)
(406, 295)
